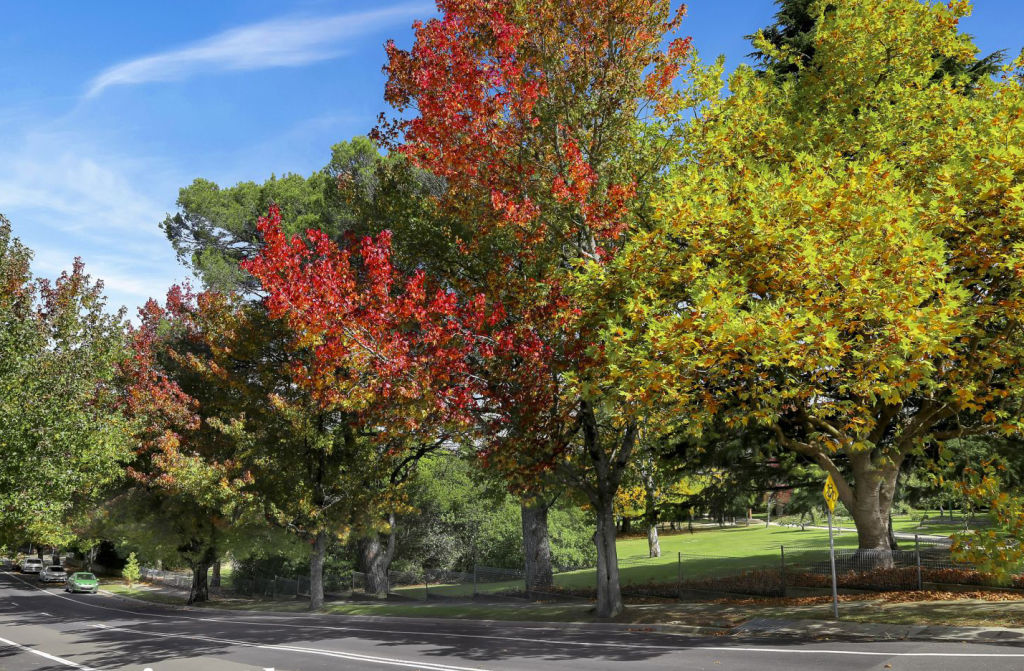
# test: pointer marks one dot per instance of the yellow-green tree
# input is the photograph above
(839, 255)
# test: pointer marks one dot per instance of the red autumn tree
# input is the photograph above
(387, 357)
(551, 122)
(392, 352)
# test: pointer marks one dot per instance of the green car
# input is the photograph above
(82, 582)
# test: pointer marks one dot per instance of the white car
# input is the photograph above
(31, 565)
(53, 574)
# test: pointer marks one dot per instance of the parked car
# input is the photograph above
(82, 582)
(31, 565)
(53, 574)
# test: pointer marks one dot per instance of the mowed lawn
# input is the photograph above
(711, 551)
(714, 551)
(706, 552)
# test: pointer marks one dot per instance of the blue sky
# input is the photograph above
(107, 109)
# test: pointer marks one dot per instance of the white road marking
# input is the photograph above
(390, 661)
(46, 655)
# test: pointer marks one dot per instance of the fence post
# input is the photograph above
(917, 556)
(782, 569)
(679, 562)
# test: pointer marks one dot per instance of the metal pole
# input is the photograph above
(917, 555)
(679, 561)
(782, 569)
(832, 561)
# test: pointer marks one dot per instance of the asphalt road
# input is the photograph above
(48, 630)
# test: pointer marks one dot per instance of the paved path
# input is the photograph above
(46, 630)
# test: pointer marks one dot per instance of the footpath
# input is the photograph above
(755, 628)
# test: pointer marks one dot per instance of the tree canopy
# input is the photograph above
(61, 437)
(838, 256)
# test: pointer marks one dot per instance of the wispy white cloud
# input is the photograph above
(285, 42)
(67, 197)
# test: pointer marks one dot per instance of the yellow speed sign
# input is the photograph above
(831, 493)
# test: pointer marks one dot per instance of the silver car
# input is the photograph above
(53, 574)
(31, 565)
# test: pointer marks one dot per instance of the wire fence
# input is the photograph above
(688, 576)
(175, 579)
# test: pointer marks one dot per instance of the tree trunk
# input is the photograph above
(893, 544)
(651, 513)
(536, 545)
(608, 458)
(316, 571)
(215, 577)
(627, 526)
(873, 491)
(375, 560)
(609, 593)
(200, 591)
(653, 543)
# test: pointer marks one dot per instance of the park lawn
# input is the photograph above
(704, 553)
(709, 552)
(141, 592)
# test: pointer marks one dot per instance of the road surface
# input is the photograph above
(49, 630)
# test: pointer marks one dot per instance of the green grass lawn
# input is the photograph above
(142, 592)
(706, 552)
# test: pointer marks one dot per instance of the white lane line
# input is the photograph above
(352, 656)
(46, 655)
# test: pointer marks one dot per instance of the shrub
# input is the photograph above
(131, 570)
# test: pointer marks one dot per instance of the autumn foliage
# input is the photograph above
(382, 343)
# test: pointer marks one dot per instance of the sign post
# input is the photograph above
(831, 496)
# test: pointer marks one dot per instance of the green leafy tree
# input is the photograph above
(790, 44)
(359, 192)
(61, 437)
